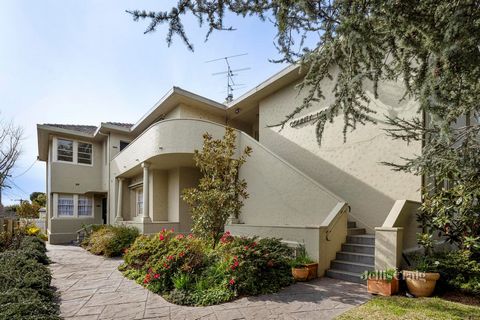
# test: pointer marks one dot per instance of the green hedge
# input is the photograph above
(25, 291)
(187, 271)
(110, 241)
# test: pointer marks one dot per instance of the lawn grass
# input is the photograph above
(397, 307)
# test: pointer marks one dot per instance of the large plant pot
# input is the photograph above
(382, 287)
(312, 270)
(300, 274)
(421, 284)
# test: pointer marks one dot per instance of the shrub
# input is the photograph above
(110, 241)
(26, 303)
(459, 271)
(187, 271)
(25, 291)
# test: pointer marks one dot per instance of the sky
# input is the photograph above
(86, 62)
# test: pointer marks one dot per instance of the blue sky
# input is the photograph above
(86, 61)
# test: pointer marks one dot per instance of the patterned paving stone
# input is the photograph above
(91, 288)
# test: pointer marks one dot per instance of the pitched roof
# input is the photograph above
(74, 127)
(121, 124)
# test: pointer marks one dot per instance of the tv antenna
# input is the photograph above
(231, 73)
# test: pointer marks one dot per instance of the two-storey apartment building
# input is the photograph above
(134, 174)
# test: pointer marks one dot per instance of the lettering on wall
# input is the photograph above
(306, 119)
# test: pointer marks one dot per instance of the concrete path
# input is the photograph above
(91, 287)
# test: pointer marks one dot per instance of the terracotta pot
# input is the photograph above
(382, 287)
(300, 274)
(312, 270)
(421, 284)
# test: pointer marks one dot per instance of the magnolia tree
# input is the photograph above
(220, 193)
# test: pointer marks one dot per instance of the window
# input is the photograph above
(65, 150)
(139, 202)
(84, 153)
(123, 144)
(73, 151)
(65, 205)
(84, 206)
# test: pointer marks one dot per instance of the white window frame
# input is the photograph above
(75, 151)
(138, 210)
(57, 203)
(75, 207)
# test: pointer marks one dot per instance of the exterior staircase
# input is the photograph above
(356, 256)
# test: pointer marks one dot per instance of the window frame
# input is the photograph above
(138, 201)
(91, 153)
(75, 151)
(91, 201)
(57, 205)
(75, 197)
(57, 154)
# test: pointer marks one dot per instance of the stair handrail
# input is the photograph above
(333, 217)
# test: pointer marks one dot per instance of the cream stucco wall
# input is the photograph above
(352, 169)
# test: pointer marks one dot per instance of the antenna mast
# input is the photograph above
(231, 85)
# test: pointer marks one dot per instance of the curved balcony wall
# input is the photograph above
(280, 194)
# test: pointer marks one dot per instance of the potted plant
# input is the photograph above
(421, 281)
(382, 282)
(303, 267)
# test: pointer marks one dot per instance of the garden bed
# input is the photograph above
(186, 270)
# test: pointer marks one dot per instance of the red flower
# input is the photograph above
(169, 258)
(173, 229)
(181, 254)
(180, 236)
(246, 247)
(190, 236)
(254, 244)
(232, 282)
(161, 237)
(146, 279)
(163, 230)
(156, 276)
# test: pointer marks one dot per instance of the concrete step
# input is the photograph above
(356, 231)
(358, 248)
(345, 275)
(353, 267)
(368, 259)
(368, 239)
(351, 224)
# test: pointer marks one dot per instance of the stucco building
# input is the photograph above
(351, 212)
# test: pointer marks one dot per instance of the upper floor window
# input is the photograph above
(84, 153)
(73, 151)
(123, 144)
(65, 150)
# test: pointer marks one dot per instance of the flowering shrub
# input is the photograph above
(186, 270)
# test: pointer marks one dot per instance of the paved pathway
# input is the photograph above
(91, 287)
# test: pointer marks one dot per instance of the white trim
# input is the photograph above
(75, 207)
(75, 151)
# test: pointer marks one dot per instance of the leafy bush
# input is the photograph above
(187, 270)
(459, 270)
(25, 291)
(110, 241)
(26, 303)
